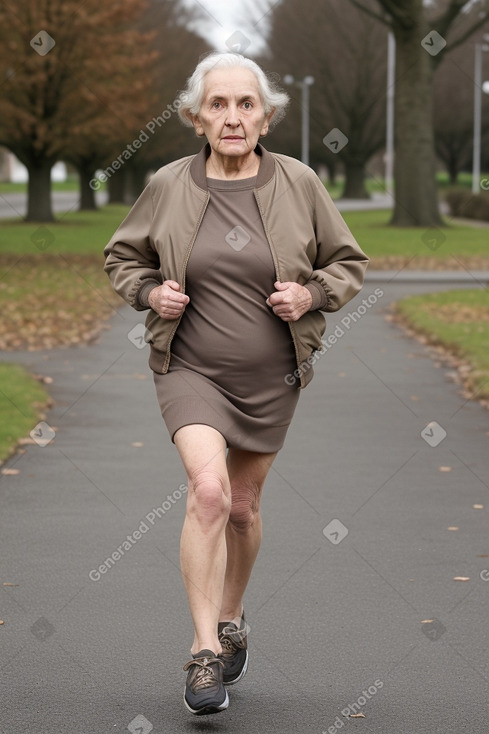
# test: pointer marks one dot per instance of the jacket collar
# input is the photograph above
(265, 171)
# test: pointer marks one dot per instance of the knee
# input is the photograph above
(208, 498)
(245, 508)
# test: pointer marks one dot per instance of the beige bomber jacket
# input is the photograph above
(309, 241)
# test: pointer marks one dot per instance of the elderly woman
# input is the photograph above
(235, 251)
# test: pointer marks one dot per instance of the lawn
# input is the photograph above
(458, 321)
(22, 400)
(452, 247)
(76, 233)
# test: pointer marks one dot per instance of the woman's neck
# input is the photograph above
(232, 167)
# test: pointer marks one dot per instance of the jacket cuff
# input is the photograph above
(319, 297)
(145, 290)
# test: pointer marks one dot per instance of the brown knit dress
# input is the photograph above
(231, 354)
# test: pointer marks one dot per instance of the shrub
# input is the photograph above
(463, 203)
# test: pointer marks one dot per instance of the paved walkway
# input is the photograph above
(15, 204)
(357, 553)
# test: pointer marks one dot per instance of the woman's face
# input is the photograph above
(231, 115)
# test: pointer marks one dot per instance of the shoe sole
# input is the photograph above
(241, 675)
(206, 710)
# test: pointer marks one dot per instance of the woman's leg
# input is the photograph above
(203, 543)
(247, 473)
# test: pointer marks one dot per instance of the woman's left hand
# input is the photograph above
(290, 301)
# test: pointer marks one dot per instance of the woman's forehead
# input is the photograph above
(233, 81)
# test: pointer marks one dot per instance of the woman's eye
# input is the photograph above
(216, 105)
(247, 105)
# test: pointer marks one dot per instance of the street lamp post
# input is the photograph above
(389, 145)
(479, 87)
(304, 85)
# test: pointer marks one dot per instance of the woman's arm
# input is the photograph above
(340, 265)
(132, 263)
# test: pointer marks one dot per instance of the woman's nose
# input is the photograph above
(232, 118)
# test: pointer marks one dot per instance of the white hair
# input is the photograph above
(191, 98)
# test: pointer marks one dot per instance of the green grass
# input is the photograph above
(80, 233)
(459, 321)
(22, 400)
(379, 240)
(86, 233)
(378, 184)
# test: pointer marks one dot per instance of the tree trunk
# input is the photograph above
(87, 193)
(453, 170)
(332, 171)
(138, 180)
(39, 206)
(416, 197)
(355, 182)
(116, 186)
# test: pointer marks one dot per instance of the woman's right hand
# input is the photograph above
(167, 301)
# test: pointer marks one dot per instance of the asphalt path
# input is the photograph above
(15, 204)
(357, 555)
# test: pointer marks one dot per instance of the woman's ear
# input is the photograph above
(266, 123)
(194, 119)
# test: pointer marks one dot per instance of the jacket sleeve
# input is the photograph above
(340, 265)
(132, 263)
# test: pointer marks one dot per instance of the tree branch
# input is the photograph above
(444, 21)
(464, 36)
(370, 12)
(400, 15)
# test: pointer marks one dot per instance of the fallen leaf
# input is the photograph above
(10, 472)
(357, 716)
(415, 398)
(445, 468)
(7, 583)
(25, 441)
(483, 555)
(1, 621)
(137, 444)
(461, 578)
(427, 621)
(452, 527)
(478, 507)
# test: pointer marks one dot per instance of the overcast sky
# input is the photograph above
(223, 18)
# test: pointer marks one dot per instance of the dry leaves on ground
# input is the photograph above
(420, 262)
(53, 300)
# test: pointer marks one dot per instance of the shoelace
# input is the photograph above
(205, 676)
(232, 639)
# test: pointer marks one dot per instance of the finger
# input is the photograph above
(173, 284)
(177, 298)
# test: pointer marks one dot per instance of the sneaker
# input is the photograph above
(234, 654)
(204, 689)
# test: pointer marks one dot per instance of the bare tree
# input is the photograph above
(422, 30)
(346, 56)
(454, 110)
